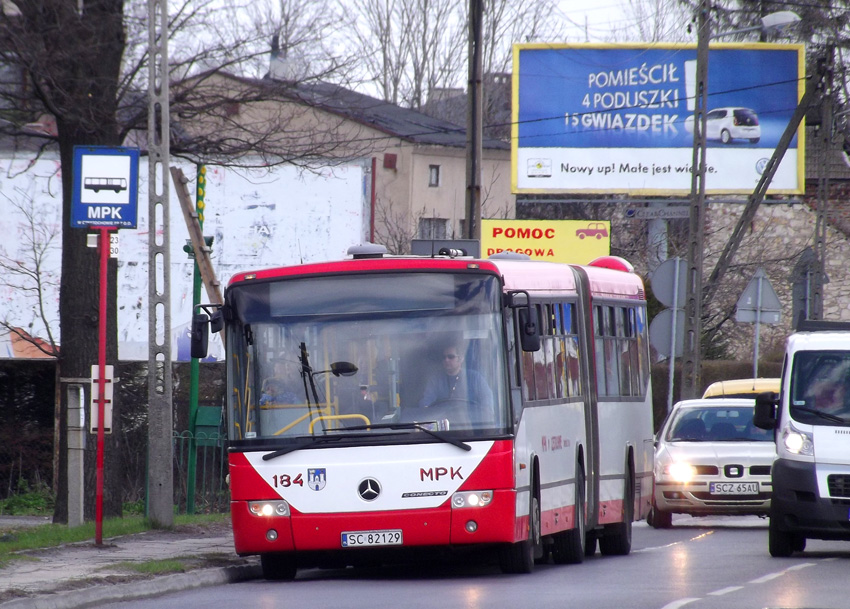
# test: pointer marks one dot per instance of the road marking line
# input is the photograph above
(723, 591)
(766, 578)
(802, 565)
(654, 548)
(771, 576)
(670, 545)
(679, 603)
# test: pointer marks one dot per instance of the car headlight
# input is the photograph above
(798, 442)
(472, 499)
(681, 472)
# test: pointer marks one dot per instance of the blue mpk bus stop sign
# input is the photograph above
(106, 187)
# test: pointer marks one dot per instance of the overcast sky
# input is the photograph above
(593, 20)
(614, 20)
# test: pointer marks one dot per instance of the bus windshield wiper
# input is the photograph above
(821, 414)
(413, 425)
(293, 447)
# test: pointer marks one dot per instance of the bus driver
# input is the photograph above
(457, 383)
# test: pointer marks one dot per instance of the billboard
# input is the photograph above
(567, 241)
(590, 118)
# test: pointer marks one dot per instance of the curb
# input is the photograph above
(96, 595)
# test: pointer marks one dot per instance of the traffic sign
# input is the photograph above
(669, 279)
(106, 187)
(661, 331)
(759, 301)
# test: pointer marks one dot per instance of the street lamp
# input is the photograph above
(772, 23)
(691, 353)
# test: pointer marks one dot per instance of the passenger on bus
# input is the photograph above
(456, 383)
(285, 385)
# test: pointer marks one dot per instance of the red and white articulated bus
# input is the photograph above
(341, 448)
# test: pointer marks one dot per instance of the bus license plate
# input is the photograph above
(357, 539)
(734, 488)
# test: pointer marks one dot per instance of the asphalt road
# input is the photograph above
(699, 563)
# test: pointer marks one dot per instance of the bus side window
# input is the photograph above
(541, 371)
(513, 352)
(526, 369)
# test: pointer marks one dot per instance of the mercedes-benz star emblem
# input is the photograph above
(369, 489)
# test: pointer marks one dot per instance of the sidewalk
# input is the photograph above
(85, 575)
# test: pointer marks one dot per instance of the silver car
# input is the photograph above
(711, 459)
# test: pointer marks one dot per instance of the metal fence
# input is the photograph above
(211, 491)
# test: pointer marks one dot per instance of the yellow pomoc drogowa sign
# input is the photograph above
(567, 241)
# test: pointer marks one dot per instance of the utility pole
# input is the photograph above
(160, 495)
(810, 97)
(825, 86)
(474, 123)
(692, 349)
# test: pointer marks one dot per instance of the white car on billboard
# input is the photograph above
(728, 124)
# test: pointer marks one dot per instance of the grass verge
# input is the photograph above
(52, 535)
(154, 567)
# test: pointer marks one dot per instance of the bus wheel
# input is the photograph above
(616, 539)
(519, 557)
(780, 544)
(569, 547)
(278, 567)
(590, 543)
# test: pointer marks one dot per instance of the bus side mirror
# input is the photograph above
(529, 329)
(217, 321)
(200, 335)
(764, 415)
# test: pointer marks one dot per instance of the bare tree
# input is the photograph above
(412, 47)
(409, 47)
(393, 228)
(27, 273)
(654, 21)
(83, 62)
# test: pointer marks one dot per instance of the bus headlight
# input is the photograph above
(798, 442)
(469, 499)
(268, 508)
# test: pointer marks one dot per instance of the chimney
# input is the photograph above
(281, 67)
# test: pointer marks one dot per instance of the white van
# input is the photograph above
(811, 422)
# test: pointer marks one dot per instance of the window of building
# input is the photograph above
(433, 175)
(433, 228)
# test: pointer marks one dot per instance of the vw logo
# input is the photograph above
(761, 165)
(369, 489)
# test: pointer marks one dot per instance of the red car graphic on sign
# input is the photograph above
(594, 229)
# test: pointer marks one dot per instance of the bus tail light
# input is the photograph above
(269, 508)
(472, 499)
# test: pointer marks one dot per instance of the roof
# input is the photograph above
(739, 388)
(715, 403)
(384, 116)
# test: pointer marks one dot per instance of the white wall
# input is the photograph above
(259, 219)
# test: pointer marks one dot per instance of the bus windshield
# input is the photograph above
(366, 355)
